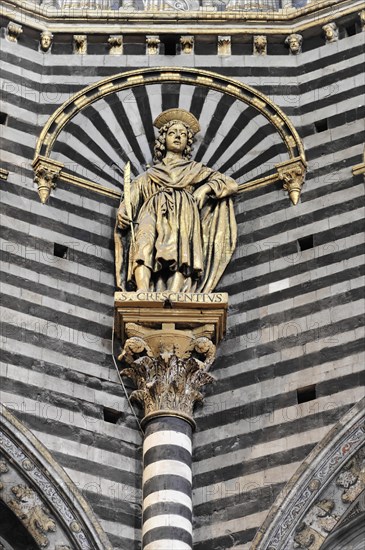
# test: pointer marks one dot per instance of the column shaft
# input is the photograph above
(167, 485)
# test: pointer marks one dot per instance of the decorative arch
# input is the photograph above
(323, 491)
(293, 168)
(41, 495)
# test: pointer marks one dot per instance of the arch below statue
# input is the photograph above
(36, 492)
(319, 502)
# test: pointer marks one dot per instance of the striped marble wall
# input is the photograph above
(294, 282)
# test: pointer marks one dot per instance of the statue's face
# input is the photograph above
(176, 138)
(46, 41)
(294, 44)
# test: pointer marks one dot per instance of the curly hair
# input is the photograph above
(160, 143)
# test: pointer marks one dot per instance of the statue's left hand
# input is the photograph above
(201, 195)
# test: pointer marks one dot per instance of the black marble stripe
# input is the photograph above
(143, 104)
(170, 95)
(248, 466)
(227, 541)
(72, 158)
(160, 508)
(117, 475)
(45, 268)
(329, 353)
(48, 335)
(123, 543)
(210, 132)
(64, 373)
(332, 99)
(295, 313)
(95, 117)
(123, 508)
(166, 482)
(167, 452)
(56, 294)
(237, 128)
(119, 111)
(54, 225)
(236, 501)
(172, 533)
(265, 159)
(67, 431)
(198, 100)
(43, 249)
(335, 146)
(263, 435)
(169, 423)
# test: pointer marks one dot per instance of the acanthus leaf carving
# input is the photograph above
(27, 506)
(168, 368)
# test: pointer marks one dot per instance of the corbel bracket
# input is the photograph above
(292, 173)
(46, 172)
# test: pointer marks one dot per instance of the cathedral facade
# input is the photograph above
(277, 90)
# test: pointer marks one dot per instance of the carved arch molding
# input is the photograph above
(290, 168)
(323, 503)
(38, 492)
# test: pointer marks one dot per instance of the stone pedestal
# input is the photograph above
(169, 343)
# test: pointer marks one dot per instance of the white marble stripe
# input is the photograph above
(167, 544)
(167, 520)
(167, 496)
(167, 437)
(167, 467)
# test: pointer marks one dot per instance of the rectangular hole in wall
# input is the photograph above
(170, 44)
(60, 250)
(350, 30)
(3, 118)
(308, 393)
(111, 415)
(321, 125)
(305, 243)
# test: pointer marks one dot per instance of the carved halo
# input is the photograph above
(180, 115)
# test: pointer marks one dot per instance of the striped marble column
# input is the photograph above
(167, 484)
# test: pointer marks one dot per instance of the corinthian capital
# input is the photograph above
(168, 367)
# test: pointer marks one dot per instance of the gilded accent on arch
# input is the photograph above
(241, 91)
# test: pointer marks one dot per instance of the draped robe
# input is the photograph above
(171, 234)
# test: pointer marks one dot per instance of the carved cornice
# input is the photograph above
(292, 173)
(286, 21)
(41, 494)
(322, 490)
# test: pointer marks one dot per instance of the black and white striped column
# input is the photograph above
(167, 484)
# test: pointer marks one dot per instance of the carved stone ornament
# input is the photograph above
(4, 174)
(294, 41)
(292, 173)
(3, 469)
(27, 506)
(13, 31)
(168, 366)
(259, 45)
(362, 19)
(187, 44)
(116, 44)
(46, 173)
(224, 45)
(330, 32)
(153, 44)
(46, 40)
(80, 44)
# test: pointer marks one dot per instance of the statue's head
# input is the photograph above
(46, 40)
(177, 128)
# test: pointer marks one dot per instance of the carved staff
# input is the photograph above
(127, 196)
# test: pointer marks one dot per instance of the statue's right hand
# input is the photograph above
(123, 220)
